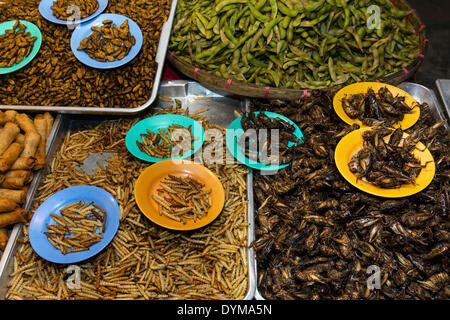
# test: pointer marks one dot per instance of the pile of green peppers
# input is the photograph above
(294, 43)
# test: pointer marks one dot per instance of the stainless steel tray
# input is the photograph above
(443, 86)
(421, 94)
(193, 96)
(16, 232)
(159, 59)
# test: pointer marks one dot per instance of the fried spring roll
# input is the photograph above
(31, 144)
(16, 179)
(7, 205)
(11, 154)
(7, 135)
(41, 127)
(23, 163)
(3, 118)
(47, 116)
(9, 218)
(18, 196)
(20, 138)
(25, 123)
(3, 238)
(10, 116)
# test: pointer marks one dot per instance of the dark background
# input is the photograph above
(435, 14)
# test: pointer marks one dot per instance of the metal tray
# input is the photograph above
(159, 59)
(421, 94)
(193, 96)
(443, 86)
(16, 232)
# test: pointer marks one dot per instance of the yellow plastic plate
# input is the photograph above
(353, 142)
(149, 180)
(361, 87)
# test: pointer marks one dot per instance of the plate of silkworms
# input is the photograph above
(109, 41)
(71, 12)
(162, 137)
(74, 224)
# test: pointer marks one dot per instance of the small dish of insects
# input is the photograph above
(109, 41)
(179, 194)
(74, 224)
(20, 42)
(385, 162)
(168, 136)
(71, 12)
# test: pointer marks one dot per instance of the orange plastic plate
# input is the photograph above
(149, 180)
(353, 142)
(361, 87)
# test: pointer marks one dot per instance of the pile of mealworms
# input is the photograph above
(143, 261)
(182, 199)
(78, 226)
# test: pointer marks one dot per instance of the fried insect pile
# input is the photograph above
(267, 139)
(372, 107)
(183, 198)
(65, 9)
(79, 226)
(165, 142)
(386, 159)
(108, 42)
(15, 45)
(316, 235)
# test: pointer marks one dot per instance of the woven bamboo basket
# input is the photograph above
(257, 91)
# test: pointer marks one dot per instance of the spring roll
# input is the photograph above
(7, 205)
(10, 116)
(31, 144)
(25, 123)
(7, 135)
(16, 179)
(11, 154)
(18, 196)
(47, 116)
(3, 118)
(41, 127)
(23, 163)
(12, 217)
(20, 138)
(3, 238)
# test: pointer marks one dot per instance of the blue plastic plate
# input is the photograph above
(47, 12)
(162, 122)
(34, 31)
(235, 131)
(59, 200)
(84, 30)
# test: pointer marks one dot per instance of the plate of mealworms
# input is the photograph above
(74, 224)
(71, 12)
(179, 194)
(162, 137)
